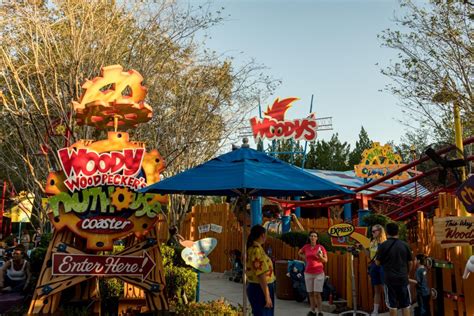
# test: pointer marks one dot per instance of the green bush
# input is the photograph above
(181, 281)
(295, 239)
(299, 239)
(373, 219)
(111, 289)
(37, 256)
(218, 307)
(45, 239)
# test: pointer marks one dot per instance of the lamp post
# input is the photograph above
(446, 96)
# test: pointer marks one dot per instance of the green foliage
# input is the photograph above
(219, 307)
(285, 148)
(181, 282)
(362, 144)
(299, 239)
(295, 239)
(373, 219)
(9, 241)
(332, 155)
(36, 259)
(45, 239)
(76, 311)
(111, 289)
(427, 78)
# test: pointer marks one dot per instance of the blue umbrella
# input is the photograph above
(246, 172)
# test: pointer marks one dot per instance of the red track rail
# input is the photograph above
(400, 213)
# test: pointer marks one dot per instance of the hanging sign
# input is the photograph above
(274, 126)
(216, 228)
(454, 231)
(347, 235)
(82, 264)
(204, 228)
(379, 161)
(195, 253)
(465, 194)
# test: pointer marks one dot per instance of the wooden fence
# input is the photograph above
(456, 294)
(231, 238)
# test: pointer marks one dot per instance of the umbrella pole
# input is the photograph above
(244, 275)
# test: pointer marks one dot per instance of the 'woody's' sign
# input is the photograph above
(454, 231)
(274, 126)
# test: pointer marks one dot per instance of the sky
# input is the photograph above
(328, 48)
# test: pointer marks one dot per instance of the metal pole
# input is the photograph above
(306, 142)
(460, 152)
(198, 285)
(458, 137)
(244, 263)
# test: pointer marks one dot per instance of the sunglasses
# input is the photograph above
(376, 230)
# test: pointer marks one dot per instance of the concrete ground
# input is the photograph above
(216, 286)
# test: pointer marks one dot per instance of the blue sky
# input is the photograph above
(328, 48)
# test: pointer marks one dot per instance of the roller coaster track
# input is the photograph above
(399, 205)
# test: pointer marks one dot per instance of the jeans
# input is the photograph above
(423, 305)
(257, 299)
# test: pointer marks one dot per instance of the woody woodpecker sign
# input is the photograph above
(94, 198)
(274, 126)
(95, 195)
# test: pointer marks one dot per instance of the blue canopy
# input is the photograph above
(246, 171)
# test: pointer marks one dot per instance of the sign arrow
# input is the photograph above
(95, 265)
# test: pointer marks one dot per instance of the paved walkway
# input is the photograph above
(216, 286)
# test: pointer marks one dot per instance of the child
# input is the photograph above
(237, 266)
(422, 289)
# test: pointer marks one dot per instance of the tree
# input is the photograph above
(434, 67)
(362, 144)
(47, 51)
(288, 150)
(332, 155)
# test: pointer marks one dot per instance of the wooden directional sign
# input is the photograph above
(454, 231)
(83, 264)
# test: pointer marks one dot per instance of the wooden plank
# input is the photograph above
(40, 303)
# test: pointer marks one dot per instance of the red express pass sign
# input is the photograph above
(75, 264)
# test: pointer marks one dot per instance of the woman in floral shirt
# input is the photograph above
(260, 274)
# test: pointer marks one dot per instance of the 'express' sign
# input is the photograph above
(341, 230)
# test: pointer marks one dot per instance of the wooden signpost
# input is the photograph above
(454, 231)
(94, 200)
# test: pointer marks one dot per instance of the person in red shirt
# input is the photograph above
(315, 256)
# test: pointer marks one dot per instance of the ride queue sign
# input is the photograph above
(84, 264)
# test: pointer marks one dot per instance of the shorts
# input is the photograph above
(397, 296)
(314, 282)
(376, 274)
